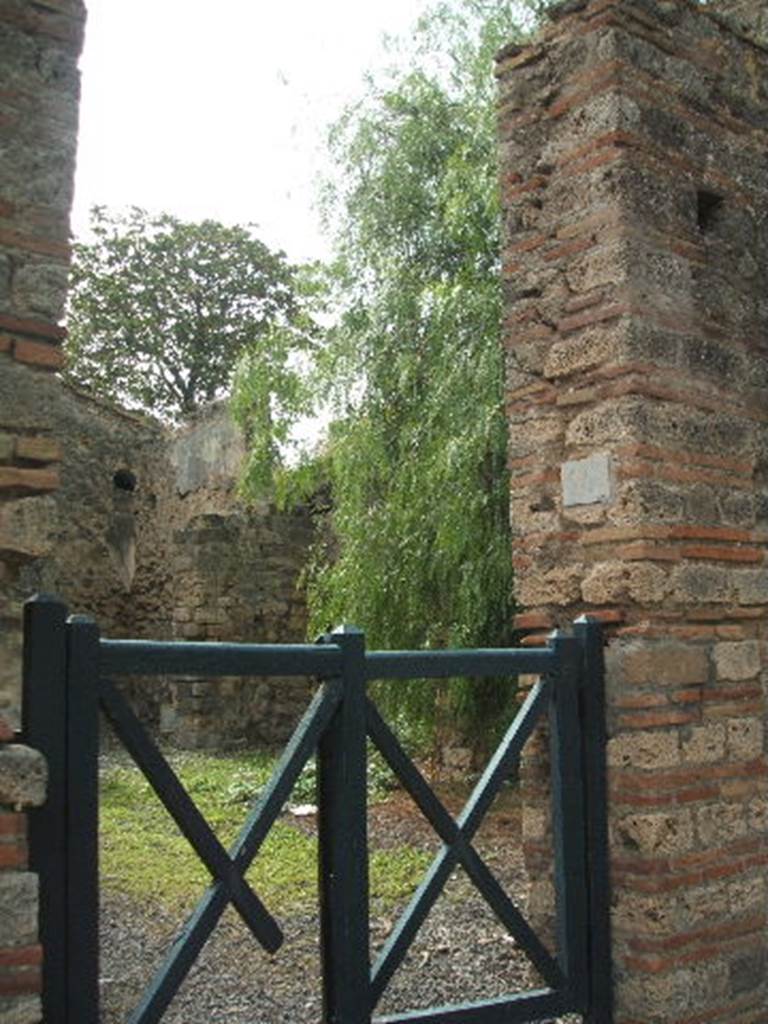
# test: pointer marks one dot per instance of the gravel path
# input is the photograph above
(461, 952)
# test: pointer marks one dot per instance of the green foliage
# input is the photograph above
(414, 364)
(143, 854)
(160, 310)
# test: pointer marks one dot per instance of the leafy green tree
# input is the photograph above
(160, 309)
(413, 367)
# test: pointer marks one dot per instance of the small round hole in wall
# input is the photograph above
(124, 480)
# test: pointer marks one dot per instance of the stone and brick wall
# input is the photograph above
(146, 535)
(39, 49)
(22, 785)
(39, 89)
(634, 136)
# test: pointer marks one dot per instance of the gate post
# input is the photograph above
(593, 738)
(342, 827)
(44, 716)
(82, 794)
(60, 704)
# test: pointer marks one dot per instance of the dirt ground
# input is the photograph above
(461, 953)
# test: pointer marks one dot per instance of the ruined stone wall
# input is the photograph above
(634, 136)
(147, 536)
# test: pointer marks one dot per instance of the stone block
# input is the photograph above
(557, 586)
(23, 776)
(619, 582)
(751, 586)
(745, 739)
(663, 663)
(720, 824)
(747, 972)
(652, 749)
(18, 908)
(39, 289)
(27, 526)
(703, 584)
(22, 1010)
(704, 744)
(670, 994)
(665, 835)
(587, 481)
(737, 661)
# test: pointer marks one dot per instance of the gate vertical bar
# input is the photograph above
(342, 783)
(568, 823)
(43, 716)
(594, 739)
(83, 823)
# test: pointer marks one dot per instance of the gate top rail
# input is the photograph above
(438, 664)
(151, 657)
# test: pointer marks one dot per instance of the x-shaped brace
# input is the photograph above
(227, 869)
(457, 836)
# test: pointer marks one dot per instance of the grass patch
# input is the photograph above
(144, 855)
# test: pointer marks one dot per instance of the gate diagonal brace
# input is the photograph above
(457, 836)
(188, 818)
(204, 918)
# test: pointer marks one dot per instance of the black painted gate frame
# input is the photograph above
(68, 672)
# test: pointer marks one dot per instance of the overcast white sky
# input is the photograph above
(219, 110)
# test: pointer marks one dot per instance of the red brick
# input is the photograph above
(12, 824)
(723, 930)
(38, 449)
(654, 719)
(607, 616)
(534, 620)
(22, 956)
(7, 734)
(569, 249)
(12, 477)
(38, 354)
(13, 855)
(36, 328)
(723, 554)
(20, 982)
(609, 312)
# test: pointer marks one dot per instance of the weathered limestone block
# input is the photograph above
(739, 660)
(23, 776)
(18, 908)
(704, 744)
(651, 749)
(27, 526)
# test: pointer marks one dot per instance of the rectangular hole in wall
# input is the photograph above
(708, 207)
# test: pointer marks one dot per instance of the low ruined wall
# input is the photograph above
(147, 535)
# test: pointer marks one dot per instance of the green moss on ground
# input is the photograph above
(144, 855)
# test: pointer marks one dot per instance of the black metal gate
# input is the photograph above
(69, 673)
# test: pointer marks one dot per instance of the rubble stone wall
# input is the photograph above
(634, 136)
(147, 536)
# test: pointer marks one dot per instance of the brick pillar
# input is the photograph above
(39, 90)
(634, 136)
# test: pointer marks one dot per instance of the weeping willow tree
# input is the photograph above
(412, 369)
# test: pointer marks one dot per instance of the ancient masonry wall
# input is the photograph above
(634, 136)
(147, 536)
(39, 48)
